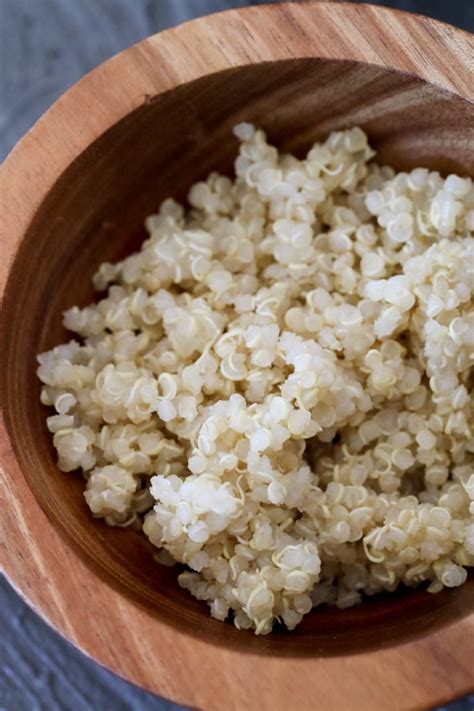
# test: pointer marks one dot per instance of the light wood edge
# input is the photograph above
(44, 570)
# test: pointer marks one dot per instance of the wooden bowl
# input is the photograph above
(145, 125)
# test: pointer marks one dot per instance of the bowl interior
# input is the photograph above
(95, 212)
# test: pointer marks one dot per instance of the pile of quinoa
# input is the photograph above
(276, 387)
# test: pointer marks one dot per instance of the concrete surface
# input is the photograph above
(45, 46)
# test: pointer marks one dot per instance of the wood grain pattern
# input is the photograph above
(74, 192)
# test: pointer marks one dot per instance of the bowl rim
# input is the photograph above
(30, 560)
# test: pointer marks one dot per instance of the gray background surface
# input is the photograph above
(45, 46)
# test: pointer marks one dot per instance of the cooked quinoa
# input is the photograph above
(276, 387)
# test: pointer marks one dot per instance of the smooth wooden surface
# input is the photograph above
(146, 124)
